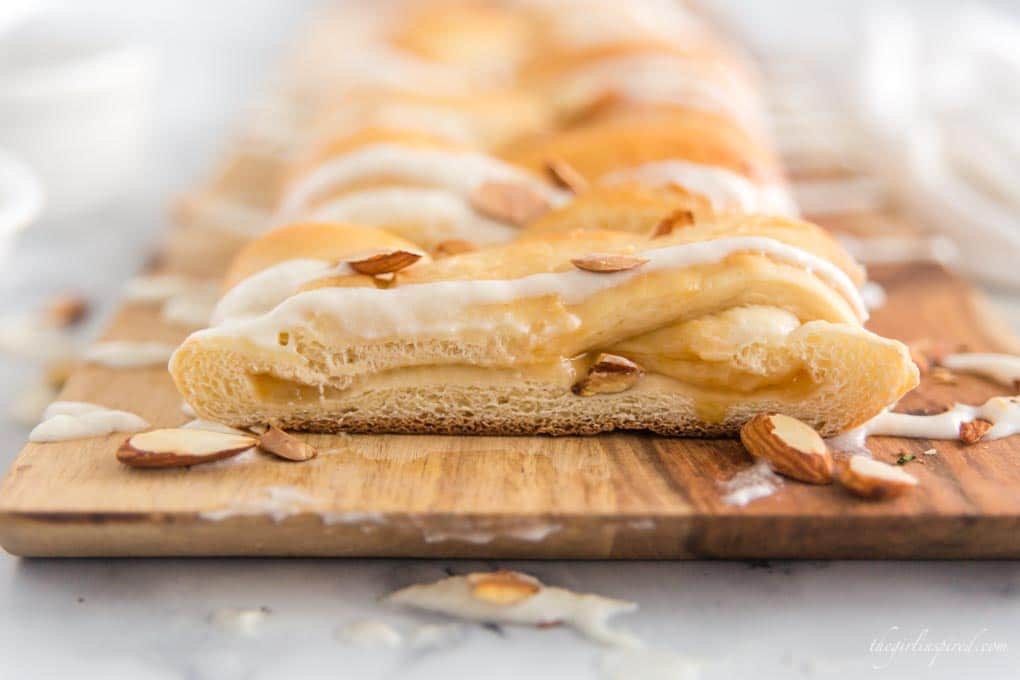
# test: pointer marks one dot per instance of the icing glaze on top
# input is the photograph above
(443, 215)
(724, 189)
(434, 306)
(459, 172)
(128, 353)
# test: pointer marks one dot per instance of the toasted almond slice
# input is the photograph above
(870, 478)
(577, 112)
(385, 263)
(610, 374)
(453, 247)
(677, 219)
(503, 587)
(972, 432)
(565, 175)
(66, 310)
(516, 204)
(791, 447)
(177, 447)
(607, 262)
(284, 445)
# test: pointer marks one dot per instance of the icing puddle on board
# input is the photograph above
(67, 420)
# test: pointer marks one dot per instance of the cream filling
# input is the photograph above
(441, 214)
(438, 307)
(459, 172)
(724, 189)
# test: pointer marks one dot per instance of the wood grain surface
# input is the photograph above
(616, 496)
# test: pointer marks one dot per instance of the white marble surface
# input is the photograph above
(140, 619)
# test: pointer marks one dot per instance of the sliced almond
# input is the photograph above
(592, 106)
(607, 262)
(177, 447)
(972, 432)
(284, 445)
(66, 310)
(566, 176)
(453, 247)
(503, 587)
(873, 479)
(791, 447)
(516, 204)
(385, 263)
(610, 374)
(677, 219)
(942, 376)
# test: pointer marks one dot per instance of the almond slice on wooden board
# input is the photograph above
(565, 176)
(503, 587)
(610, 374)
(678, 219)
(791, 447)
(385, 263)
(605, 263)
(873, 479)
(453, 246)
(972, 431)
(287, 446)
(516, 204)
(177, 447)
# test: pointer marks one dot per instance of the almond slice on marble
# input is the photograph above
(971, 432)
(610, 374)
(678, 219)
(873, 479)
(565, 176)
(177, 447)
(66, 310)
(604, 263)
(385, 263)
(791, 447)
(453, 246)
(284, 445)
(503, 587)
(516, 204)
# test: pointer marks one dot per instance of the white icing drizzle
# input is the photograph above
(1002, 412)
(430, 307)
(459, 172)
(276, 502)
(750, 484)
(588, 614)
(128, 353)
(1002, 368)
(724, 189)
(443, 214)
(263, 290)
(369, 633)
(67, 420)
(873, 295)
(669, 79)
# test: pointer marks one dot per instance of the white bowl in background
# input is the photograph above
(21, 199)
(74, 106)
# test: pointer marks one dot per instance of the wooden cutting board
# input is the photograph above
(616, 496)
